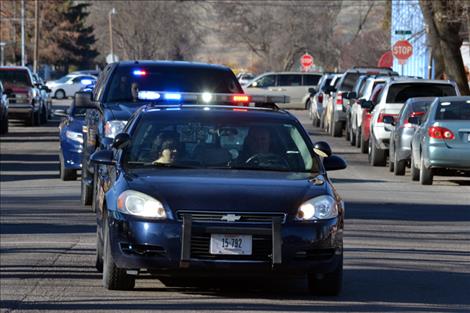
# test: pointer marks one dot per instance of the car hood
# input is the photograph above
(227, 190)
(121, 111)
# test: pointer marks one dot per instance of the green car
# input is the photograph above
(441, 144)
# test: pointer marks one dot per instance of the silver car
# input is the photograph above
(402, 132)
(68, 85)
(441, 145)
(295, 85)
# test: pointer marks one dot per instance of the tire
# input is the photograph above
(364, 145)
(114, 278)
(414, 170)
(425, 174)
(59, 94)
(308, 107)
(43, 115)
(66, 174)
(391, 165)
(400, 165)
(358, 138)
(336, 129)
(4, 126)
(347, 134)
(328, 284)
(99, 254)
(86, 196)
(95, 192)
(377, 156)
(352, 138)
(322, 121)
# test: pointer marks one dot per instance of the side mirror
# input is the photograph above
(61, 113)
(416, 120)
(333, 163)
(104, 157)
(46, 89)
(121, 141)
(312, 91)
(350, 95)
(322, 149)
(83, 99)
(367, 104)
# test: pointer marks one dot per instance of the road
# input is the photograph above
(407, 247)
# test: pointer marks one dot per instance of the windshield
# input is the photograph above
(64, 79)
(15, 77)
(204, 143)
(399, 93)
(126, 81)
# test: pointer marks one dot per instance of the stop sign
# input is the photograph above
(402, 50)
(306, 60)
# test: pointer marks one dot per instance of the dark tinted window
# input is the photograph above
(455, 110)
(266, 81)
(15, 77)
(289, 80)
(399, 93)
(349, 80)
(326, 83)
(311, 80)
(169, 78)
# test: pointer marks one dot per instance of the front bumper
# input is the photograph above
(175, 248)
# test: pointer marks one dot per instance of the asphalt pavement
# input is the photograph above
(407, 246)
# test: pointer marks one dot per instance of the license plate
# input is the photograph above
(231, 244)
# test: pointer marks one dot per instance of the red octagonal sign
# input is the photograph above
(306, 60)
(402, 50)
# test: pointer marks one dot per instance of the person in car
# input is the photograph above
(168, 148)
(257, 141)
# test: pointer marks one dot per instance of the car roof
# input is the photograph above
(14, 67)
(171, 64)
(419, 99)
(300, 73)
(454, 98)
(407, 80)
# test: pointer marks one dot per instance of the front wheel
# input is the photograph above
(59, 94)
(328, 284)
(114, 278)
(65, 173)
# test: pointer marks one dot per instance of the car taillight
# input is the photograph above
(320, 98)
(438, 132)
(380, 118)
(339, 101)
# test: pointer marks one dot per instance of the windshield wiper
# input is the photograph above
(169, 165)
(249, 168)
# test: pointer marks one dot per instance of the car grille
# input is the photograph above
(231, 217)
(261, 249)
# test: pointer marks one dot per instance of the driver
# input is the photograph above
(257, 141)
(168, 149)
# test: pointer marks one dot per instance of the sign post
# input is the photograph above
(306, 61)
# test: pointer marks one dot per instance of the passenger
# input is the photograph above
(168, 149)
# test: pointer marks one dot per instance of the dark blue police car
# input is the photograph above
(71, 141)
(218, 190)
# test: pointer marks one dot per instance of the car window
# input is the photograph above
(15, 77)
(63, 79)
(311, 80)
(377, 93)
(204, 142)
(453, 110)
(266, 81)
(169, 78)
(348, 81)
(327, 83)
(289, 80)
(399, 93)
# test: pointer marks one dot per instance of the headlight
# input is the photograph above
(78, 137)
(112, 128)
(319, 208)
(139, 204)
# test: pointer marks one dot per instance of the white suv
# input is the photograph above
(293, 84)
(394, 95)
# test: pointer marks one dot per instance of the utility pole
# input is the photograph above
(23, 56)
(36, 36)
(111, 45)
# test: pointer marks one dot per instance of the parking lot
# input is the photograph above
(407, 246)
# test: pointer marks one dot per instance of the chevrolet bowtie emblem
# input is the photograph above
(231, 217)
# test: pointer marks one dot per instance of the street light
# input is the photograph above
(111, 12)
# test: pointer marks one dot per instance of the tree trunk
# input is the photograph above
(439, 65)
(448, 31)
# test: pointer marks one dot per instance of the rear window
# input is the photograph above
(15, 77)
(311, 80)
(399, 93)
(455, 110)
(169, 78)
(289, 80)
(349, 80)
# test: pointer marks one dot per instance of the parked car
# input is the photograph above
(315, 104)
(68, 85)
(402, 131)
(230, 191)
(24, 97)
(46, 98)
(441, 144)
(367, 107)
(71, 141)
(393, 96)
(356, 111)
(245, 78)
(3, 110)
(340, 104)
(297, 86)
(95, 73)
